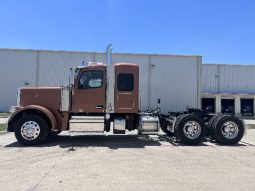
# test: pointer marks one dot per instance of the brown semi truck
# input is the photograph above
(104, 97)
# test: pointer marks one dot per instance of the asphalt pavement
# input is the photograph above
(124, 162)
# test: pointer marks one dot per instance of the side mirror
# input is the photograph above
(159, 101)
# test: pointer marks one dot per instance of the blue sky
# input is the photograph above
(222, 31)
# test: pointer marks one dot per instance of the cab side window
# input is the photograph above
(91, 79)
(125, 82)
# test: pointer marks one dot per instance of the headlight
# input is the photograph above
(18, 97)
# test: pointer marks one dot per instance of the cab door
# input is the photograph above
(89, 90)
(126, 88)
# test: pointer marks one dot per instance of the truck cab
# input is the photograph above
(89, 93)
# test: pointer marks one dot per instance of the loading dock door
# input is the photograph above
(208, 104)
(227, 106)
(247, 106)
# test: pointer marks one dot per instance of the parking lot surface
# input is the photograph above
(126, 163)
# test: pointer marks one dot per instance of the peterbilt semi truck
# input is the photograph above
(103, 98)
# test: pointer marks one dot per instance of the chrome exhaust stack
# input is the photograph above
(109, 54)
(110, 75)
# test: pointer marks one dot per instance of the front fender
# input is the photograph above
(31, 108)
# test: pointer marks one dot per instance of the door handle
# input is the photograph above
(99, 106)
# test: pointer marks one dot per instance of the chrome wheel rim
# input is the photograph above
(192, 130)
(30, 130)
(229, 130)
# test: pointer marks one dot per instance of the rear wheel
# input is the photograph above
(31, 130)
(228, 130)
(176, 125)
(190, 129)
(210, 133)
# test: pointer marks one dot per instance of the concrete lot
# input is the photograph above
(3, 120)
(126, 163)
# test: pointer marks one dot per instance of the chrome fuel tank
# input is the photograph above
(149, 124)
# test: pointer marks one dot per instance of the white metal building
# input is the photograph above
(179, 81)
(228, 88)
(175, 79)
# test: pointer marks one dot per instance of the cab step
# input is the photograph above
(87, 124)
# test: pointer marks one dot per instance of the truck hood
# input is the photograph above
(49, 97)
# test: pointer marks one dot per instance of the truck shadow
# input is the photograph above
(112, 141)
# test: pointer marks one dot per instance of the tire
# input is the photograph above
(210, 133)
(54, 133)
(57, 132)
(187, 123)
(176, 125)
(27, 135)
(228, 130)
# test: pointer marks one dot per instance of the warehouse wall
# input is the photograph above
(173, 79)
(210, 76)
(54, 66)
(17, 69)
(228, 78)
(176, 81)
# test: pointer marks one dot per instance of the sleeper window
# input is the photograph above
(125, 82)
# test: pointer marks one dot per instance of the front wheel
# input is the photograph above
(31, 130)
(190, 129)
